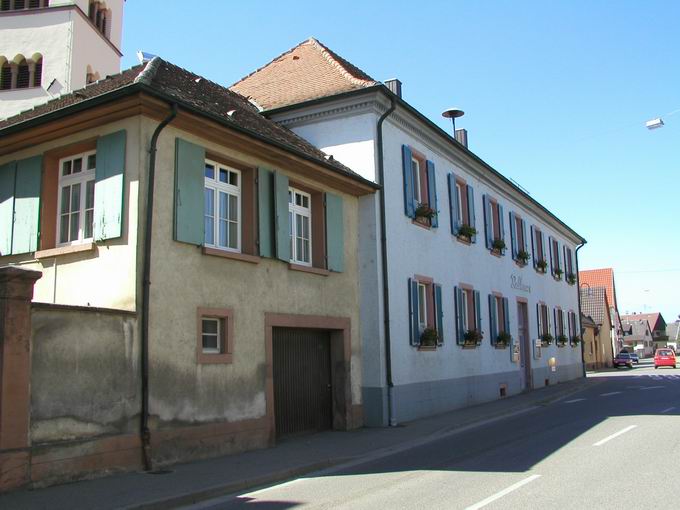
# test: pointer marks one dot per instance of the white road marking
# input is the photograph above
(667, 410)
(574, 400)
(277, 486)
(652, 387)
(610, 393)
(502, 493)
(609, 438)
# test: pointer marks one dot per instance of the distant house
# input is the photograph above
(657, 326)
(591, 278)
(598, 348)
(673, 334)
(637, 337)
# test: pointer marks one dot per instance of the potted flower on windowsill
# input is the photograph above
(503, 340)
(575, 340)
(558, 274)
(472, 337)
(429, 337)
(546, 339)
(425, 212)
(542, 265)
(466, 232)
(497, 246)
(523, 257)
(562, 340)
(571, 279)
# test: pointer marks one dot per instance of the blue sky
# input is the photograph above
(555, 93)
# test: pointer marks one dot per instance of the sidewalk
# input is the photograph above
(201, 480)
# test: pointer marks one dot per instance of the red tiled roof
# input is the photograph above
(655, 320)
(308, 71)
(600, 278)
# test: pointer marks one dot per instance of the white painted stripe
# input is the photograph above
(277, 486)
(610, 393)
(574, 400)
(667, 410)
(652, 387)
(609, 438)
(502, 493)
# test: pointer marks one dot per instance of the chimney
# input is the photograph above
(461, 137)
(394, 85)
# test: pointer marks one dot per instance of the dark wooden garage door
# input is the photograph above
(302, 381)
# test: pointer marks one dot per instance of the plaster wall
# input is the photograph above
(106, 276)
(184, 392)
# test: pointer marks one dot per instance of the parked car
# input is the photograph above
(634, 357)
(664, 358)
(623, 359)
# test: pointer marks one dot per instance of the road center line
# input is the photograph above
(610, 393)
(574, 400)
(652, 387)
(667, 410)
(502, 493)
(609, 438)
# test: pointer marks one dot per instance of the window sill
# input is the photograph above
(421, 224)
(308, 269)
(464, 240)
(495, 253)
(253, 259)
(540, 271)
(500, 346)
(427, 348)
(520, 264)
(64, 250)
(214, 359)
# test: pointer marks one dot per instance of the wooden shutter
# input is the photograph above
(493, 318)
(458, 305)
(335, 244)
(409, 205)
(539, 317)
(478, 311)
(555, 321)
(454, 205)
(265, 212)
(189, 192)
(501, 224)
(552, 261)
(533, 247)
(471, 210)
(488, 228)
(513, 236)
(524, 235)
(109, 186)
(7, 180)
(432, 192)
(439, 310)
(506, 316)
(413, 311)
(281, 227)
(27, 205)
(558, 262)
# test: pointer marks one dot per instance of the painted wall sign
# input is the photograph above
(516, 283)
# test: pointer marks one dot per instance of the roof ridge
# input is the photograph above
(332, 59)
(149, 71)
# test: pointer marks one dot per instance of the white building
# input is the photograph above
(421, 353)
(52, 47)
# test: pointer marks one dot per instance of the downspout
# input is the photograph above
(146, 283)
(385, 283)
(580, 326)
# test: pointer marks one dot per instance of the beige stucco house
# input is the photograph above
(226, 318)
(598, 342)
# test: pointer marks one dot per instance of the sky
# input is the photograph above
(555, 94)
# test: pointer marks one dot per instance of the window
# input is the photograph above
(538, 249)
(555, 262)
(23, 75)
(569, 266)
(17, 5)
(20, 72)
(299, 225)
(543, 319)
(518, 239)
(76, 198)
(468, 319)
(416, 178)
(222, 207)
(99, 15)
(499, 320)
(6, 76)
(574, 335)
(426, 313)
(420, 189)
(215, 335)
(493, 223)
(560, 326)
(462, 203)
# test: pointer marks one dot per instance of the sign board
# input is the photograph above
(515, 353)
(517, 284)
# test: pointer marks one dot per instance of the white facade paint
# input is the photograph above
(426, 382)
(68, 43)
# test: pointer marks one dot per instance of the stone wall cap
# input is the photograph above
(16, 272)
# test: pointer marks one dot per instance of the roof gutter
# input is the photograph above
(385, 281)
(580, 325)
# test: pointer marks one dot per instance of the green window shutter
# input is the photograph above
(432, 192)
(440, 313)
(409, 200)
(458, 305)
(453, 205)
(265, 212)
(27, 205)
(471, 210)
(478, 311)
(7, 180)
(189, 193)
(538, 320)
(513, 237)
(109, 186)
(501, 224)
(552, 260)
(281, 217)
(492, 319)
(506, 316)
(533, 247)
(414, 335)
(488, 228)
(335, 243)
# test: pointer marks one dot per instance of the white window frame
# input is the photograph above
(415, 176)
(83, 178)
(464, 296)
(216, 186)
(295, 210)
(422, 307)
(218, 335)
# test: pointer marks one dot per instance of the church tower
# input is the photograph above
(52, 47)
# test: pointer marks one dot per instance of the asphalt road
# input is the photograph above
(614, 445)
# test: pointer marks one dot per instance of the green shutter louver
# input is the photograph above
(265, 212)
(335, 242)
(282, 232)
(409, 199)
(109, 186)
(189, 192)
(27, 205)
(7, 179)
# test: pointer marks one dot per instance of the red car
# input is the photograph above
(664, 358)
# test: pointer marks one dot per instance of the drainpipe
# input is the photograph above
(385, 282)
(146, 282)
(580, 326)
